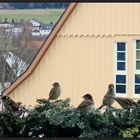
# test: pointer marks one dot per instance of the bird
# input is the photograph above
(87, 105)
(55, 91)
(138, 102)
(8, 101)
(125, 103)
(108, 101)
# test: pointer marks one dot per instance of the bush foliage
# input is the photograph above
(59, 119)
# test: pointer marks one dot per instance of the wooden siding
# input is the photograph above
(103, 19)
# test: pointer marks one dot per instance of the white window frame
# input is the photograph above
(120, 72)
(134, 69)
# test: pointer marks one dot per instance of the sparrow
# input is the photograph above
(55, 91)
(87, 104)
(106, 100)
(125, 103)
(138, 102)
(8, 101)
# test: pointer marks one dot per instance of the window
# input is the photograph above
(120, 68)
(137, 68)
(137, 83)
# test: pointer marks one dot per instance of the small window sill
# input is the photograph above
(135, 96)
(121, 95)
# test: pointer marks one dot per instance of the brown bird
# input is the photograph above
(108, 101)
(8, 101)
(55, 91)
(138, 102)
(87, 104)
(125, 103)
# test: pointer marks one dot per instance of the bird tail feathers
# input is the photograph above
(101, 107)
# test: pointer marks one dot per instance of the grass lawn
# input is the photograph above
(43, 15)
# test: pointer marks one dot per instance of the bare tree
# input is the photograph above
(5, 42)
(15, 53)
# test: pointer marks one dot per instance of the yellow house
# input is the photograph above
(92, 45)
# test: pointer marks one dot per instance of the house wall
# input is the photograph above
(35, 23)
(103, 19)
(81, 58)
(6, 25)
(89, 70)
(45, 32)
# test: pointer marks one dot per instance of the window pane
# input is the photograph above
(120, 65)
(120, 88)
(120, 79)
(137, 54)
(138, 65)
(120, 56)
(121, 46)
(137, 89)
(138, 44)
(137, 78)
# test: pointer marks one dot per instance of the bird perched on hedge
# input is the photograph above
(55, 91)
(87, 104)
(125, 103)
(9, 102)
(108, 101)
(138, 102)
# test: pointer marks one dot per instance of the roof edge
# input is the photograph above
(43, 50)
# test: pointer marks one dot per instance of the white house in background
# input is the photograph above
(41, 32)
(6, 24)
(16, 30)
(45, 31)
(35, 22)
(50, 26)
(36, 33)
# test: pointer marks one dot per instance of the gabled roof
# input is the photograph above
(43, 49)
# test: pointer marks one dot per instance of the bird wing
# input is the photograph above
(51, 92)
(13, 104)
(138, 102)
(85, 103)
(131, 101)
(126, 100)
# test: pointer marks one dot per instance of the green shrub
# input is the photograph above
(59, 119)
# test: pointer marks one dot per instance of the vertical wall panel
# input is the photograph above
(103, 18)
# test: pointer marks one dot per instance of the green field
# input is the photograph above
(43, 15)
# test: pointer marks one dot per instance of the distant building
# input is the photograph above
(45, 31)
(35, 33)
(36, 28)
(16, 30)
(6, 24)
(50, 26)
(35, 22)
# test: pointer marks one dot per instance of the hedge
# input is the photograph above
(59, 119)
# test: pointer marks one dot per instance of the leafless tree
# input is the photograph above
(14, 46)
